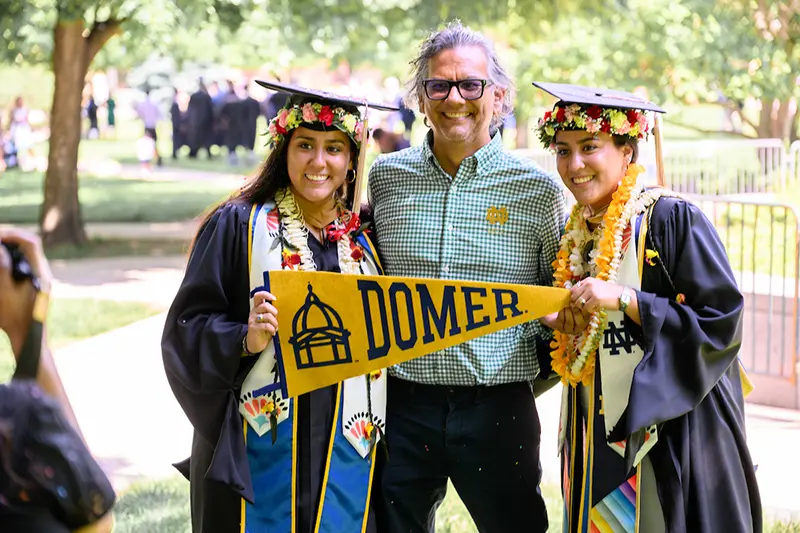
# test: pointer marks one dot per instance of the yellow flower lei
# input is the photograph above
(573, 356)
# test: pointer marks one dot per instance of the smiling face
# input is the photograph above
(318, 162)
(591, 165)
(455, 120)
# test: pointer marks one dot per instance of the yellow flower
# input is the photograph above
(268, 407)
(618, 118)
(294, 119)
(349, 122)
(650, 255)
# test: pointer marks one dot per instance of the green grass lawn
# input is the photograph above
(109, 199)
(71, 320)
(163, 507)
(98, 247)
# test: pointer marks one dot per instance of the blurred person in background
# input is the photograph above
(149, 113)
(49, 482)
(389, 141)
(91, 114)
(20, 133)
(111, 116)
(201, 120)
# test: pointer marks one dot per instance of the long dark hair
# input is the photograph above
(274, 172)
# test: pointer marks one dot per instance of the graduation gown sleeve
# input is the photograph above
(688, 348)
(202, 343)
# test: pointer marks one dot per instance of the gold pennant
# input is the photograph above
(334, 327)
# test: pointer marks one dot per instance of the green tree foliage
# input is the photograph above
(69, 34)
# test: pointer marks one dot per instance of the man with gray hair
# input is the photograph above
(460, 207)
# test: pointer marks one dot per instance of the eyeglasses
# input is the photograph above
(470, 89)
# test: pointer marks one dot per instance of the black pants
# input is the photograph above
(484, 439)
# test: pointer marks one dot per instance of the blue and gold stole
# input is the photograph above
(346, 485)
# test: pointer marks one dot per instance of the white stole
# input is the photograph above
(265, 256)
(619, 356)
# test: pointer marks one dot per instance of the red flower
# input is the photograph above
(326, 115)
(561, 114)
(595, 111)
(357, 254)
(352, 225)
(280, 129)
(548, 115)
(290, 260)
(633, 116)
(605, 126)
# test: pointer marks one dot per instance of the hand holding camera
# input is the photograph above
(25, 282)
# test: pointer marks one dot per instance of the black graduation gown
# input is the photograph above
(249, 112)
(201, 116)
(688, 381)
(202, 352)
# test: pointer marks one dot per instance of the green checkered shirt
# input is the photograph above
(498, 220)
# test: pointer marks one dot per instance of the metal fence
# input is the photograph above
(714, 167)
(763, 245)
(748, 189)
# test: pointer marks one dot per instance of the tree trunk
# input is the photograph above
(60, 218)
(782, 120)
(765, 119)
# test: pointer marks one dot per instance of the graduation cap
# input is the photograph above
(360, 136)
(591, 98)
(575, 94)
(315, 94)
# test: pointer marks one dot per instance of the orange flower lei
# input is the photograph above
(573, 356)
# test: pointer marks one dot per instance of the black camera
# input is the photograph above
(20, 268)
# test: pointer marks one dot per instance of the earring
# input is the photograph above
(351, 176)
(425, 121)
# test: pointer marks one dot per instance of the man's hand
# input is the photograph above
(570, 320)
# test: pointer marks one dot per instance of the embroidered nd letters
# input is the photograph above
(616, 337)
(496, 217)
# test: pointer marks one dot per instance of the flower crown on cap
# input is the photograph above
(631, 122)
(295, 115)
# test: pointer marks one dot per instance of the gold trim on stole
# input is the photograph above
(586, 499)
(369, 488)
(574, 396)
(328, 460)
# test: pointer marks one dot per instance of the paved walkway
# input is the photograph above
(132, 422)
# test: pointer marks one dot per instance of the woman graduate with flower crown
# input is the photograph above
(652, 432)
(261, 462)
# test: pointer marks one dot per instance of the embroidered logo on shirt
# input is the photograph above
(496, 217)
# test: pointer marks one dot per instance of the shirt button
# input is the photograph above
(445, 269)
(449, 227)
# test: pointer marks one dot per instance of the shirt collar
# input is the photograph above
(485, 156)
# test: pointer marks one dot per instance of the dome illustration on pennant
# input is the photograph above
(318, 335)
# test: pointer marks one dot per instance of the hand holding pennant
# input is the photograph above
(335, 326)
